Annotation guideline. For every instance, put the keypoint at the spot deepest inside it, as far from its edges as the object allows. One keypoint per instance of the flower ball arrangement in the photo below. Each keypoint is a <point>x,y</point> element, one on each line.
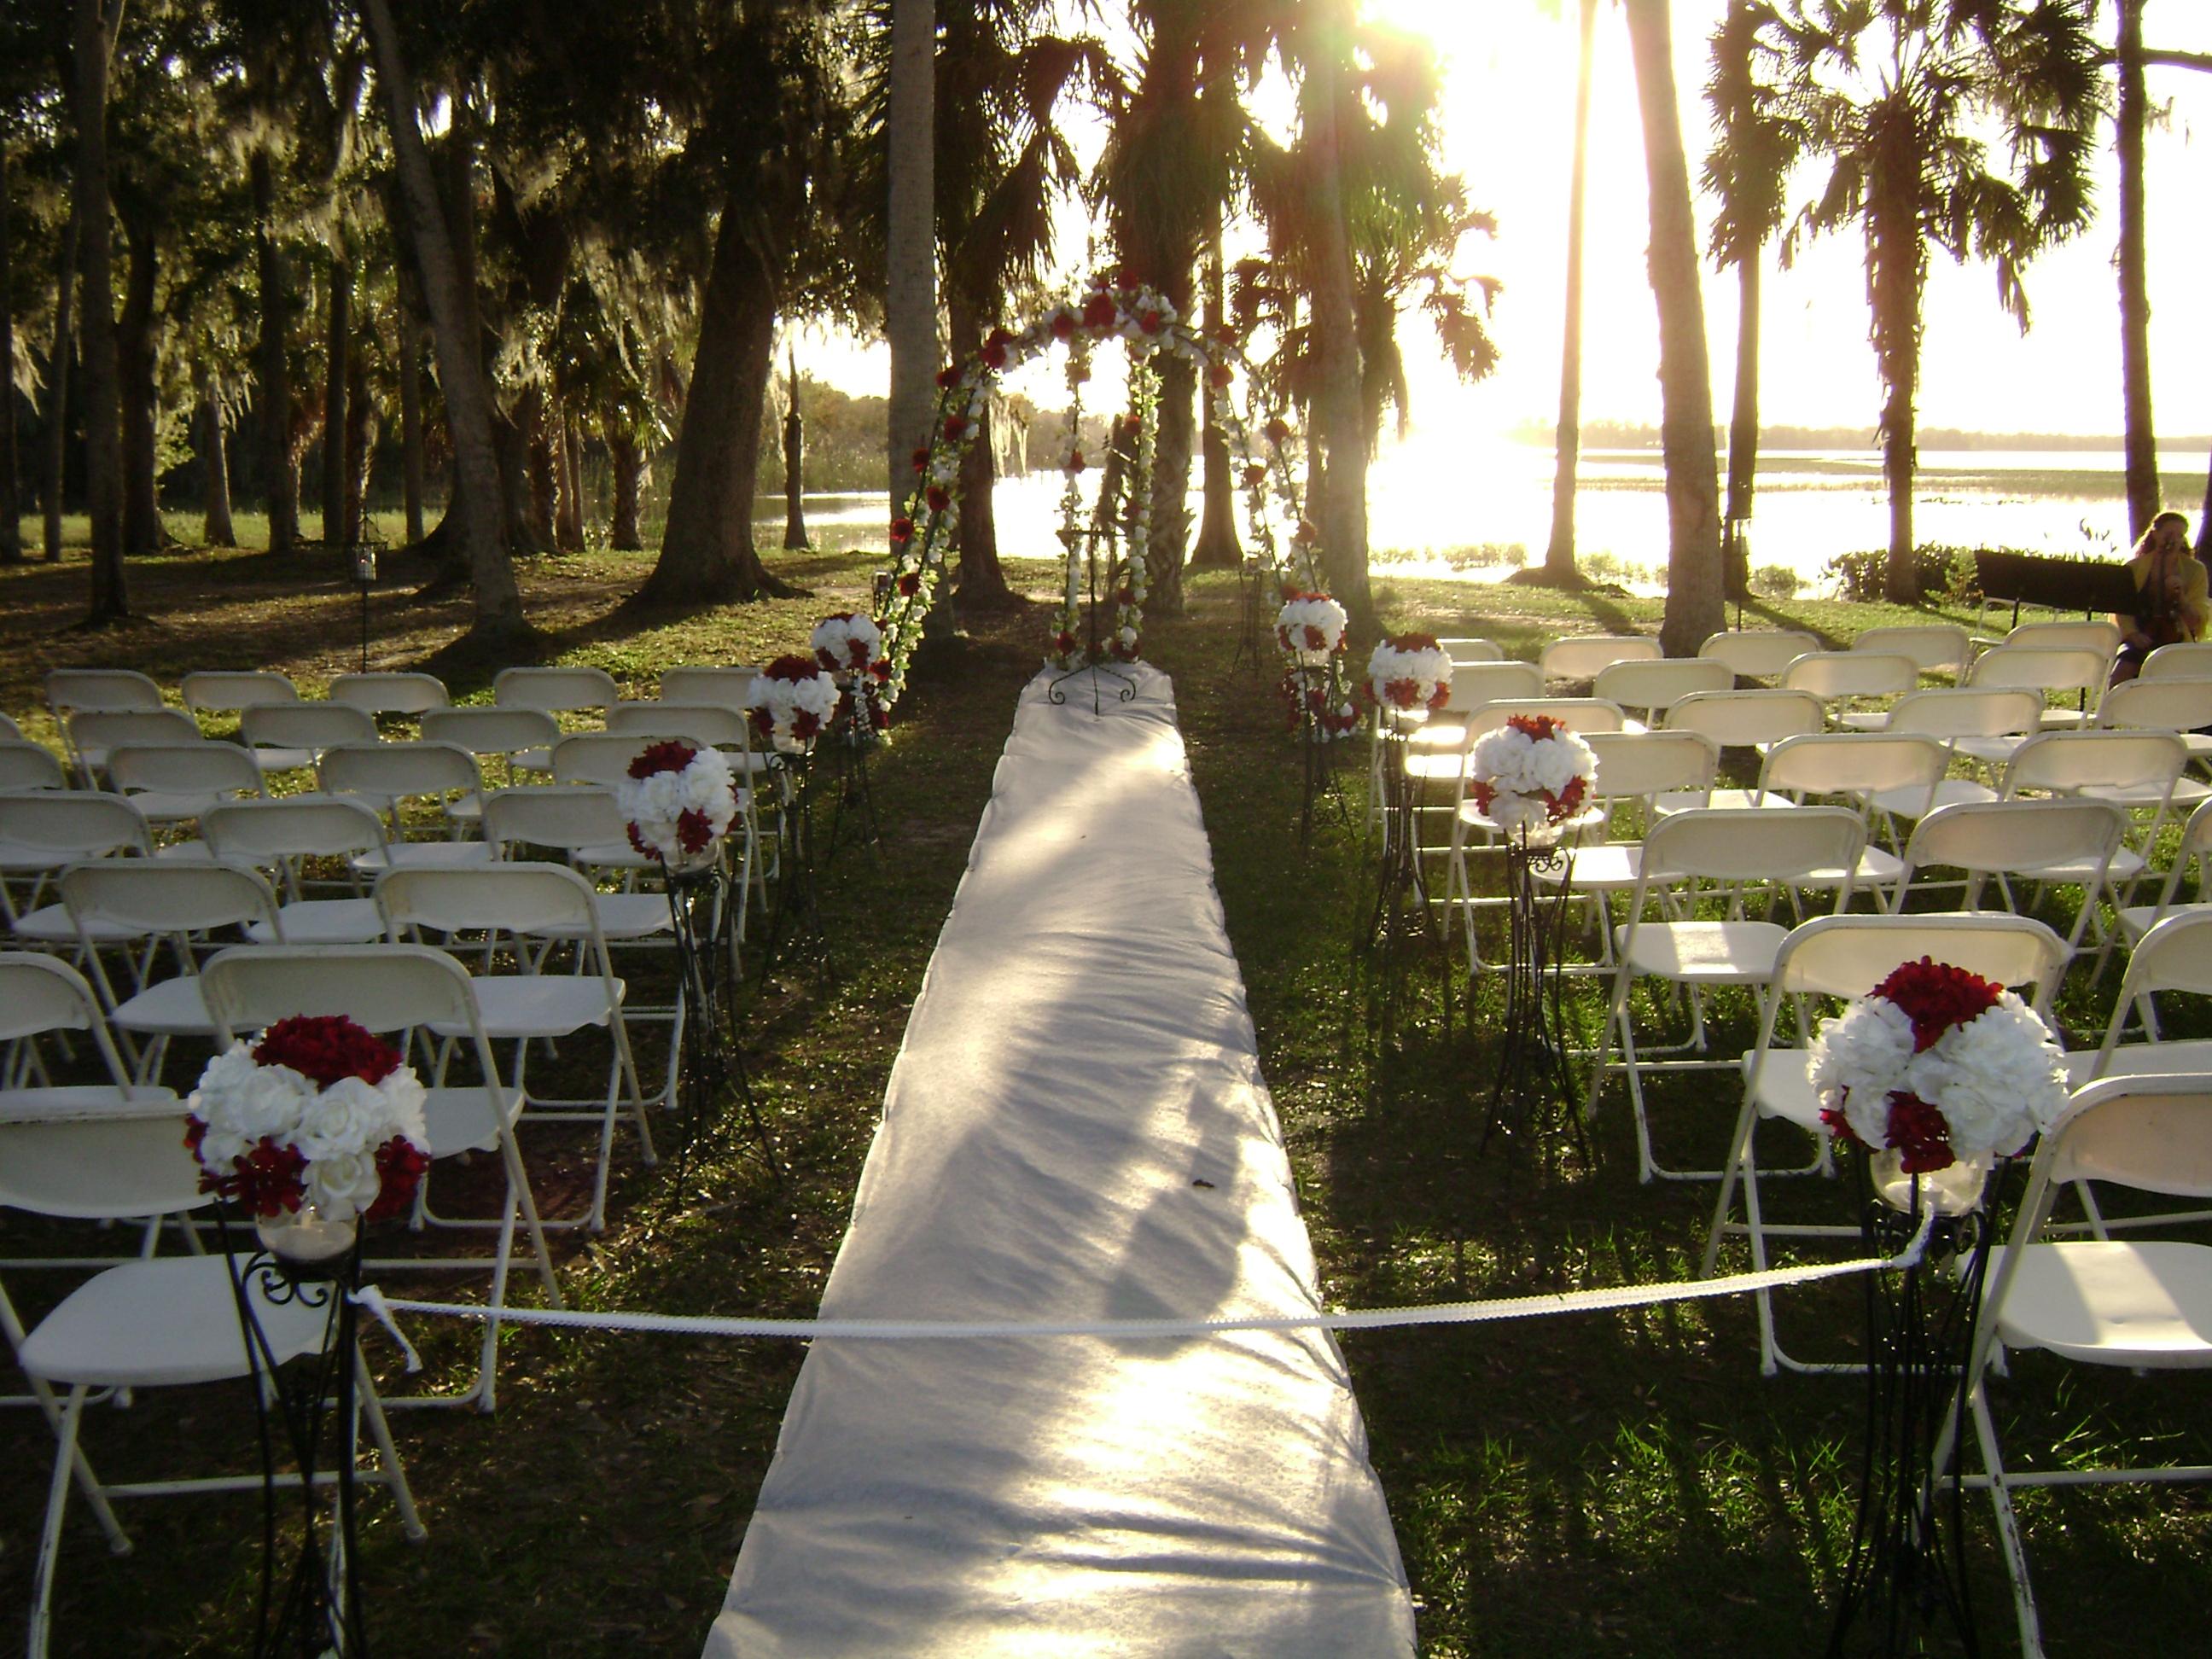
<point>792,702</point>
<point>1311,628</point>
<point>848,643</point>
<point>1531,776</point>
<point>1939,1065</point>
<point>319,1112</point>
<point>1409,673</point>
<point>680,799</point>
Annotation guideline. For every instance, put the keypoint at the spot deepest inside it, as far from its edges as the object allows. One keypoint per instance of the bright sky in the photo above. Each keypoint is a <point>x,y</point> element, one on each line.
<point>1509,109</point>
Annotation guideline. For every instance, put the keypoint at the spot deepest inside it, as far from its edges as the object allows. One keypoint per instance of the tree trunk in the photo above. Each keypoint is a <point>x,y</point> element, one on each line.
<point>411,416</point>
<point>1216,547</point>
<point>11,523</point>
<point>910,296</point>
<point>103,410</point>
<point>542,430</point>
<point>136,349</point>
<point>338,358</point>
<point>2142,440</point>
<point>360,424</point>
<point>707,550</point>
<point>1901,582</point>
<point>982,579</point>
<point>1567,443</point>
<point>57,377</point>
<point>631,470</point>
<point>499,621</point>
<point>1694,606</point>
<point>569,516</point>
<point>1172,454</point>
<point>272,413</point>
<point>1338,418</point>
<point>794,468</point>
<point>1743,428</point>
<point>215,528</point>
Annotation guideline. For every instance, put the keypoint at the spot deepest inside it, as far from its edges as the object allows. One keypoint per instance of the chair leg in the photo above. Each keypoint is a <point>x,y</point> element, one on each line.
<point>2015,1550</point>
<point>50,1539</point>
<point>392,1472</point>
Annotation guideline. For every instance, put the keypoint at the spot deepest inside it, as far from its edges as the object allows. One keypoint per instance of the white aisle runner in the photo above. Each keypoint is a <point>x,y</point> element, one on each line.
<point>1076,1128</point>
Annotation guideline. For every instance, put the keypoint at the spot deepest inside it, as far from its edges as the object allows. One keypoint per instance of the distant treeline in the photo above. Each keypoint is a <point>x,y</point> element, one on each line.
<point>844,438</point>
<point>1625,435</point>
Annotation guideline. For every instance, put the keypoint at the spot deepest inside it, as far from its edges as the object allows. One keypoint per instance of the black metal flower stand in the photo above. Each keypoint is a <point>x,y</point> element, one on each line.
<point>318,1610</point>
<point>1533,1097</point>
<point>795,911</point>
<point>1401,892</point>
<point>1904,1577</point>
<point>851,737</point>
<point>1317,746</point>
<point>709,1060</point>
<point>1098,657</point>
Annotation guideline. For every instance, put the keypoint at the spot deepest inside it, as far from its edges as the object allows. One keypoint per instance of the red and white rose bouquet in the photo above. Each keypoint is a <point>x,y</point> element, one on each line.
<point>849,643</point>
<point>1310,628</point>
<point>1531,776</point>
<point>1409,673</point>
<point>793,701</point>
<point>680,799</point>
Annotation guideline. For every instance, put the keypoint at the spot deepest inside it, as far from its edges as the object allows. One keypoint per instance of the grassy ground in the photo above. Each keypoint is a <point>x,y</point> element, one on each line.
<point>1599,1485</point>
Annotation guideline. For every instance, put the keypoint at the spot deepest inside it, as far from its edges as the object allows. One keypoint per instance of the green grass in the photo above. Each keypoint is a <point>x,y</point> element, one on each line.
<point>1603,1484</point>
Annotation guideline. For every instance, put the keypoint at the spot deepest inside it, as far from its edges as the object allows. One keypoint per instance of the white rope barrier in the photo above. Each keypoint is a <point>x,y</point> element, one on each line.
<point>384,1309</point>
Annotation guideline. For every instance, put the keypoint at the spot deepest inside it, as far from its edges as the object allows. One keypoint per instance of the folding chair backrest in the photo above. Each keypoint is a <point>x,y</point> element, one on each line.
<point>1757,653</point>
<point>9,729</point>
<point>390,693</point>
<point>2151,1132</point>
<point>1846,762</point>
<point>724,687</point>
<point>1935,647</point>
<point>1751,844</point>
<point>2175,955</point>
<point>1633,765</point>
<point>1848,956</point>
<point>1475,683</point>
<point>1467,648</point>
<point>295,826</point>
<point>2016,836</point>
<point>2161,705</point>
<point>2184,659</point>
<point>601,757</point>
<point>40,992</point>
<point>710,724</point>
<point>225,691</point>
<point>2093,636</point>
<point>183,768</point>
<point>85,822</point>
<point>29,766</point>
<point>560,691</point>
<point>398,771</point>
<point>1583,714</point>
<point>2077,760</point>
<point>2039,668</point>
<point>564,815</point>
<point>311,726</point>
<point>1741,719</point>
<point>84,690</point>
<point>491,731</point>
<point>110,729</point>
<point>1830,674</point>
<point>164,895</point>
<point>1966,713</point>
<point>382,988</point>
<point>500,897</point>
<point>1584,656</point>
<point>1660,684</point>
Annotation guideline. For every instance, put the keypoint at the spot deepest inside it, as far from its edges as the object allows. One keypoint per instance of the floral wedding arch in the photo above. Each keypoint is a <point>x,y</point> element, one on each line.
<point>1105,542</point>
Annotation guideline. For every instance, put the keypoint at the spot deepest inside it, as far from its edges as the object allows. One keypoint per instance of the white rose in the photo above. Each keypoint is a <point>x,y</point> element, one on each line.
<point>342,1186</point>
<point>340,1119</point>
<point>1865,1050</point>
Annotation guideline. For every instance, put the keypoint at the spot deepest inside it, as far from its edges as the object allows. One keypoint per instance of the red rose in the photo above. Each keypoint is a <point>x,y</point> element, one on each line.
<point>804,724</point>
<point>1126,277</point>
<point>1414,642</point>
<point>1063,324</point>
<point>1306,532</point>
<point>763,723</point>
<point>1919,1131</point>
<point>1484,793</point>
<point>399,1165</point>
<point>1075,463</point>
<point>909,584</point>
<point>1283,635</point>
<point>1440,696</point>
<point>948,376</point>
<point>694,831</point>
<point>1152,322</point>
<point>994,352</point>
<point>1936,996</point>
<point>792,667</point>
<point>1538,726</point>
<point>955,425</point>
<point>672,756</point>
<point>1403,693</point>
<point>1099,311</point>
<point>1255,476</point>
<point>1840,1126</point>
<point>1315,639</point>
<point>1063,641</point>
<point>1220,374</point>
<point>922,460</point>
<point>324,1048</point>
<point>938,497</point>
<point>880,669</point>
<point>638,843</point>
<point>901,529</point>
<point>1278,430</point>
<point>1569,800</point>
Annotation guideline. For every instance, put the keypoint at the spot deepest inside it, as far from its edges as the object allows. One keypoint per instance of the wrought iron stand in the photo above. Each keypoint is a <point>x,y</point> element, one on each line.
<point>1096,657</point>
<point>851,735</point>
<point>1533,1096</point>
<point>709,1057</point>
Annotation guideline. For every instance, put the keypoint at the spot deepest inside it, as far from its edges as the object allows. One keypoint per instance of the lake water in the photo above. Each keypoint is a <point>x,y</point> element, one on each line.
<point>1429,500</point>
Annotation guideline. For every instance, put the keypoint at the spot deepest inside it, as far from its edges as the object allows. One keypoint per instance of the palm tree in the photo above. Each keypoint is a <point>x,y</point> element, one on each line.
<point>1894,99</point>
<point>1559,553</point>
<point>1694,601</point>
<point>1757,141</point>
<point>910,290</point>
<point>2133,265</point>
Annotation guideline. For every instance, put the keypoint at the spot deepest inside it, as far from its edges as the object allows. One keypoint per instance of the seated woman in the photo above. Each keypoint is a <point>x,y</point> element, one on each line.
<point>2173,606</point>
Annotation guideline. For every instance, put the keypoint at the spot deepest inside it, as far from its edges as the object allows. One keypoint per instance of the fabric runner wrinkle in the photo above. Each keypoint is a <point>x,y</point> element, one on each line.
<point>1076,1128</point>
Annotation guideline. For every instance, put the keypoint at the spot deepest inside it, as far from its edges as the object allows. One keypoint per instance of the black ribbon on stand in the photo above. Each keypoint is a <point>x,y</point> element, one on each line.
<point>1534,1096</point>
<point>709,1060</point>
<point>1905,1574</point>
<point>318,1610</point>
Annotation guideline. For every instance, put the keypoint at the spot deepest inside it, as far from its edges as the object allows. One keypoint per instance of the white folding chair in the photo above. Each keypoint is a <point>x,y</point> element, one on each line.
<point>2174,704</point>
<point>2176,955</point>
<point>512,905</point>
<point>1935,647</point>
<point>1732,848</point>
<point>1853,767</point>
<point>389,776</point>
<point>282,835</point>
<point>42,833</point>
<point>1464,649</point>
<point>39,995</point>
<point>2044,669</point>
<point>1839,679</point>
<point>2184,659</point>
<point>1473,684</point>
<point>1582,714</point>
<point>29,766</point>
<point>2135,1305</point>
<point>291,737</point>
<point>709,723</point>
<point>1984,726</point>
<point>2093,634</point>
<point>390,692</point>
<point>2069,841</point>
<point>1584,656</point>
<point>1757,653</point>
<point>556,692</point>
<point>397,988</point>
<point>233,691</point>
<point>499,734</point>
<point>1653,685</point>
<point>9,729</point>
<point>1840,959</point>
<point>1750,719</point>
<point>92,733</point>
<point>729,685</point>
<point>2194,849</point>
<point>174,783</point>
<point>578,821</point>
<point>96,690</point>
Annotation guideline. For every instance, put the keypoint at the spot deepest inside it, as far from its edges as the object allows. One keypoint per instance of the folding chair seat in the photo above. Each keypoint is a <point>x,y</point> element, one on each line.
<point>1839,958</point>
<point>173,783</point>
<point>1751,719</point>
<point>387,777</point>
<point>93,733</point>
<point>2043,670</point>
<point>1839,679</point>
<point>43,833</point>
<point>1964,721</point>
<point>96,690</point>
<point>2071,841</point>
<point>1757,653</point>
<point>29,766</point>
<point>1732,848</point>
<point>278,835</point>
<point>1653,686</point>
<point>292,736</point>
<point>2176,704</point>
<point>389,988</point>
<point>233,691</point>
<point>2135,1306</point>
<point>390,692</point>
<point>1935,647</point>
<point>1585,656</point>
<point>577,820</point>
<point>2184,659</point>
<point>556,692</point>
<point>1466,648</point>
<point>511,904</point>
